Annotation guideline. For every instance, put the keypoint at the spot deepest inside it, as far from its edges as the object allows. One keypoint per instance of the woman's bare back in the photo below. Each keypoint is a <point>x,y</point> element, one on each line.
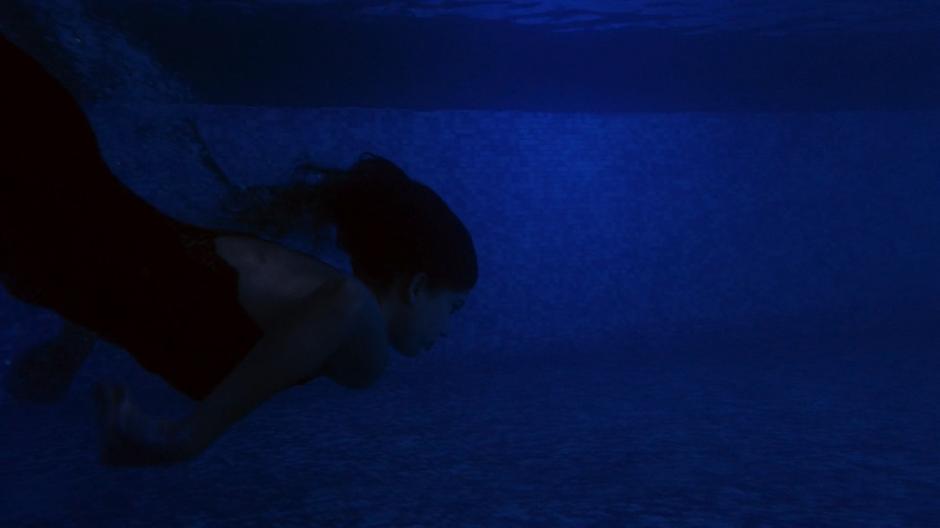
<point>272,278</point>
<point>274,281</point>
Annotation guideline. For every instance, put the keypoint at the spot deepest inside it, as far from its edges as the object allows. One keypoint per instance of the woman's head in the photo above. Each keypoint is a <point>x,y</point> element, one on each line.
<point>391,225</point>
<point>403,241</point>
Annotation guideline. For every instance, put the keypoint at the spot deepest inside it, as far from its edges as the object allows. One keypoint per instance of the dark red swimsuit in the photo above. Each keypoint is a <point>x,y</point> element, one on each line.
<point>74,239</point>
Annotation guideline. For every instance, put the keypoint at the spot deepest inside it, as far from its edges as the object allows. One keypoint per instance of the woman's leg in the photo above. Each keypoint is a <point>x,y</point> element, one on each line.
<point>48,148</point>
<point>44,373</point>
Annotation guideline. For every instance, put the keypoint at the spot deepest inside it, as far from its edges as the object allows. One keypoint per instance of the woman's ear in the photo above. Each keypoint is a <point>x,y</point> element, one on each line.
<point>418,286</point>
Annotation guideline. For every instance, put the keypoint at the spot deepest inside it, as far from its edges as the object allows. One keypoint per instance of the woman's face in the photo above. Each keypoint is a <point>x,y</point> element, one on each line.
<point>423,316</point>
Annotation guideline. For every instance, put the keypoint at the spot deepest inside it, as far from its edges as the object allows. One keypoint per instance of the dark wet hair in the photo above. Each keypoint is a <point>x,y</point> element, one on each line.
<point>389,224</point>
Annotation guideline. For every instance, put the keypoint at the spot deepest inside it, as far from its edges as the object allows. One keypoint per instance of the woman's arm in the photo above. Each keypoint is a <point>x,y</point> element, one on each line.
<point>297,349</point>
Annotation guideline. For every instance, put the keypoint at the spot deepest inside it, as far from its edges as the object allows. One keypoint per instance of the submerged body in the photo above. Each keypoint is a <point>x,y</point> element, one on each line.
<point>187,302</point>
<point>226,318</point>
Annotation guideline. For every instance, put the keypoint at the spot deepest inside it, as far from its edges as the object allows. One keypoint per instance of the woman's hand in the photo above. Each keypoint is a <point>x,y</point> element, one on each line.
<point>130,438</point>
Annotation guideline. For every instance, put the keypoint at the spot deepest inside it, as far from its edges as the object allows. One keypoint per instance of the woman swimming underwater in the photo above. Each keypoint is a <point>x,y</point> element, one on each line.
<point>227,318</point>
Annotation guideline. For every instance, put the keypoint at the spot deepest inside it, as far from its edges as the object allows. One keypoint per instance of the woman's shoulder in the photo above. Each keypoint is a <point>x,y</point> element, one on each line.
<point>363,357</point>
<point>277,279</point>
<point>272,278</point>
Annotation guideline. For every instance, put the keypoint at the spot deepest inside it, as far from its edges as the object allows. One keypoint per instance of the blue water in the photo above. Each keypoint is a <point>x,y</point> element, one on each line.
<point>707,243</point>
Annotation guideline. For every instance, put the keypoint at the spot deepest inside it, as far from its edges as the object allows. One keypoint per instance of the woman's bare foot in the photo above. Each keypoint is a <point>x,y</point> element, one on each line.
<point>44,373</point>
